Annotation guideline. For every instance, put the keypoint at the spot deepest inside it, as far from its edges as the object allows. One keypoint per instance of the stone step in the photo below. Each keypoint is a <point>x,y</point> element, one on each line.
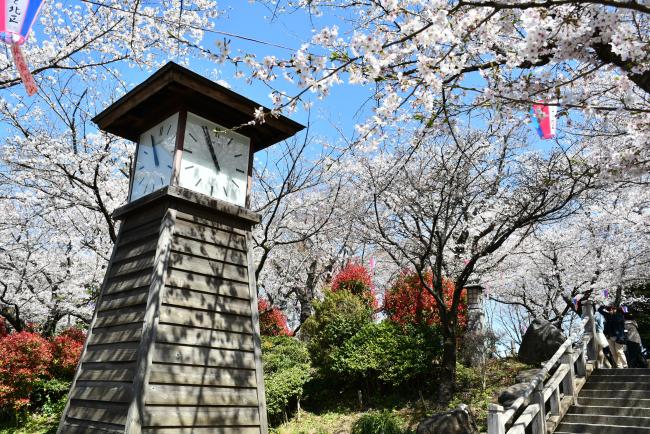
<point>596,419</point>
<point>614,411</point>
<point>642,379</point>
<point>616,393</point>
<point>613,402</point>
<point>581,428</point>
<point>617,385</point>
<point>621,371</point>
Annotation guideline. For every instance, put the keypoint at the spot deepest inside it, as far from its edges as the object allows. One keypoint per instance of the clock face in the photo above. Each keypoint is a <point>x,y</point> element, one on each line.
<point>154,162</point>
<point>215,162</point>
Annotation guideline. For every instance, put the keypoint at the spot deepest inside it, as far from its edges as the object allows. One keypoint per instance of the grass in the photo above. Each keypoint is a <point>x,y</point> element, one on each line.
<point>36,423</point>
<point>44,422</point>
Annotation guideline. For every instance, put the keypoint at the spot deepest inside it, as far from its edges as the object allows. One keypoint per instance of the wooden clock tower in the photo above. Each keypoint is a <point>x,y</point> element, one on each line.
<point>174,346</point>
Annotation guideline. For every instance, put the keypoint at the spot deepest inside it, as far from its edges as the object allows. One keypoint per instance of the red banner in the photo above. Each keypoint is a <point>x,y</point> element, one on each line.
<point>23,70</point>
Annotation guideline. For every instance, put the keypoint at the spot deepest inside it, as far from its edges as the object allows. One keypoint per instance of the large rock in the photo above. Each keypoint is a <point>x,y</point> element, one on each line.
<point>457,421</point>
<point>527,375</point>
<point>508,395</point>
<point>541,341</point>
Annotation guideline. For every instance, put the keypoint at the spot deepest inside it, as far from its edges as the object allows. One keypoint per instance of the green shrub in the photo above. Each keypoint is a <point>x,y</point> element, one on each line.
<point>393,354</point>
<point>50,395</point>
<point>336,319</point>
<point>287,368</point>
<point>380,422</point>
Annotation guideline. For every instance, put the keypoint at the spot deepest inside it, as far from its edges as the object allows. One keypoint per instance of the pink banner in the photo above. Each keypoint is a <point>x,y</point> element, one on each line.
<point>544,120</point>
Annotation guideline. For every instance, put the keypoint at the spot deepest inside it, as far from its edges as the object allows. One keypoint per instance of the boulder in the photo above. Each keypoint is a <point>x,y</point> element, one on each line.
<point>457,421</point>
<point>540,342</point>
<point>508,395</point>
<point>527,375</point>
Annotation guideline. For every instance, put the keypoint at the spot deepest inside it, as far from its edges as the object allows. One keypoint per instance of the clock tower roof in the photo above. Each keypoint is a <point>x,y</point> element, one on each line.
<point>173,88</point>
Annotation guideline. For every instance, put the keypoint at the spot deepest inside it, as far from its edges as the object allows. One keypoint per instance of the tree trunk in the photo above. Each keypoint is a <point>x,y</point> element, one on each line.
<point>305,295</point>
<point>447,379</point>
<point>48,328</point>
<point>13,319</point>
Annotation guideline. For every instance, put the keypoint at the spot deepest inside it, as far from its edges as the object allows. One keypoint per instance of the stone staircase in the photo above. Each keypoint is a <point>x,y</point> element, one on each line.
<point>612,401</point>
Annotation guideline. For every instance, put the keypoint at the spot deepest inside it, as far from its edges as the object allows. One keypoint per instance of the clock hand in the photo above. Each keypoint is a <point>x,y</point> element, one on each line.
<point>155,153</point>
<point>208,140</point>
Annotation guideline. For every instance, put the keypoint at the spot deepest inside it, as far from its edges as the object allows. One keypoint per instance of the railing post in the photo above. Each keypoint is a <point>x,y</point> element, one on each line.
<point>569,381</point>
<point>588,311</point>
<point>581,364</point>
<point>495,422</point>
<point>539,422</point>
<point>554,400</point>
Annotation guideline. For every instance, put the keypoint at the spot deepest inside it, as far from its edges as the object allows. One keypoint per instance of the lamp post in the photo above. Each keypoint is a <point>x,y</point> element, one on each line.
<point>475,345</point>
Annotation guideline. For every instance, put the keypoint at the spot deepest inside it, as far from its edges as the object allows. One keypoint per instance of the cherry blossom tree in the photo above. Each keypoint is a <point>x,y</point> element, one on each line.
<point>420,57</point>
<point>597,253</point>
<point>446,204</point>
<point>47,270</point>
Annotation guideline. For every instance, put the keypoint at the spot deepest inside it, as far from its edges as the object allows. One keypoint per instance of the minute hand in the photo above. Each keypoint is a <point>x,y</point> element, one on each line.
<point>208,140</point>
<point>155,153</point>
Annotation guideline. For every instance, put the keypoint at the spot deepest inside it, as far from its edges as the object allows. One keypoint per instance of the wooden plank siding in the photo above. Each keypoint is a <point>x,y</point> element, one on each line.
<point>188,298</point>
<point>201,375</point>
<point>208,417</point>
<point>98,412</point>
<point>76,426</point>
<point>172,347</point>
<point>207,284</point>
<point>102,389</point>
<point>137,296</point>
<point>209,430</point>
<point>203,371</point>
<point>191,336</point>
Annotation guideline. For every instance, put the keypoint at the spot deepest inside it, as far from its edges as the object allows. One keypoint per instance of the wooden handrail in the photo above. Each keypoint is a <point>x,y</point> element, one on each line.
<point>539,393</point>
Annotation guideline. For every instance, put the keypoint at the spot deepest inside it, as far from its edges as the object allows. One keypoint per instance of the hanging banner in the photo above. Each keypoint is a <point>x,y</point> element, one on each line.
<point>544,120</point>
<point>16,20</point>
<point>23,70</point>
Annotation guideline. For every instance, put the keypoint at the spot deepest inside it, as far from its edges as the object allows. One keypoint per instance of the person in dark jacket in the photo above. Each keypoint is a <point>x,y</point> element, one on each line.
<point>615,333</point>
<point>635,358</point>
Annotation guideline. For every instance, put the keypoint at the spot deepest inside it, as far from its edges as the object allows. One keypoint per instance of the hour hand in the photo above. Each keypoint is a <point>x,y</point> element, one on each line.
<point>213,154</point>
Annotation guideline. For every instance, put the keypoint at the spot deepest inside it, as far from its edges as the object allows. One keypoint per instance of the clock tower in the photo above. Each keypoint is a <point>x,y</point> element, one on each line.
<point>174,345</point>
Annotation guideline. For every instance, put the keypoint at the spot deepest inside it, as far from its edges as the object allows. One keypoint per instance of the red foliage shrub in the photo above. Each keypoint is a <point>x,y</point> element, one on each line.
<point>407,301</point>
<point>356,279</point>
<point>66,351</point>
<point>273,322</point>
<point>25,359</point>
